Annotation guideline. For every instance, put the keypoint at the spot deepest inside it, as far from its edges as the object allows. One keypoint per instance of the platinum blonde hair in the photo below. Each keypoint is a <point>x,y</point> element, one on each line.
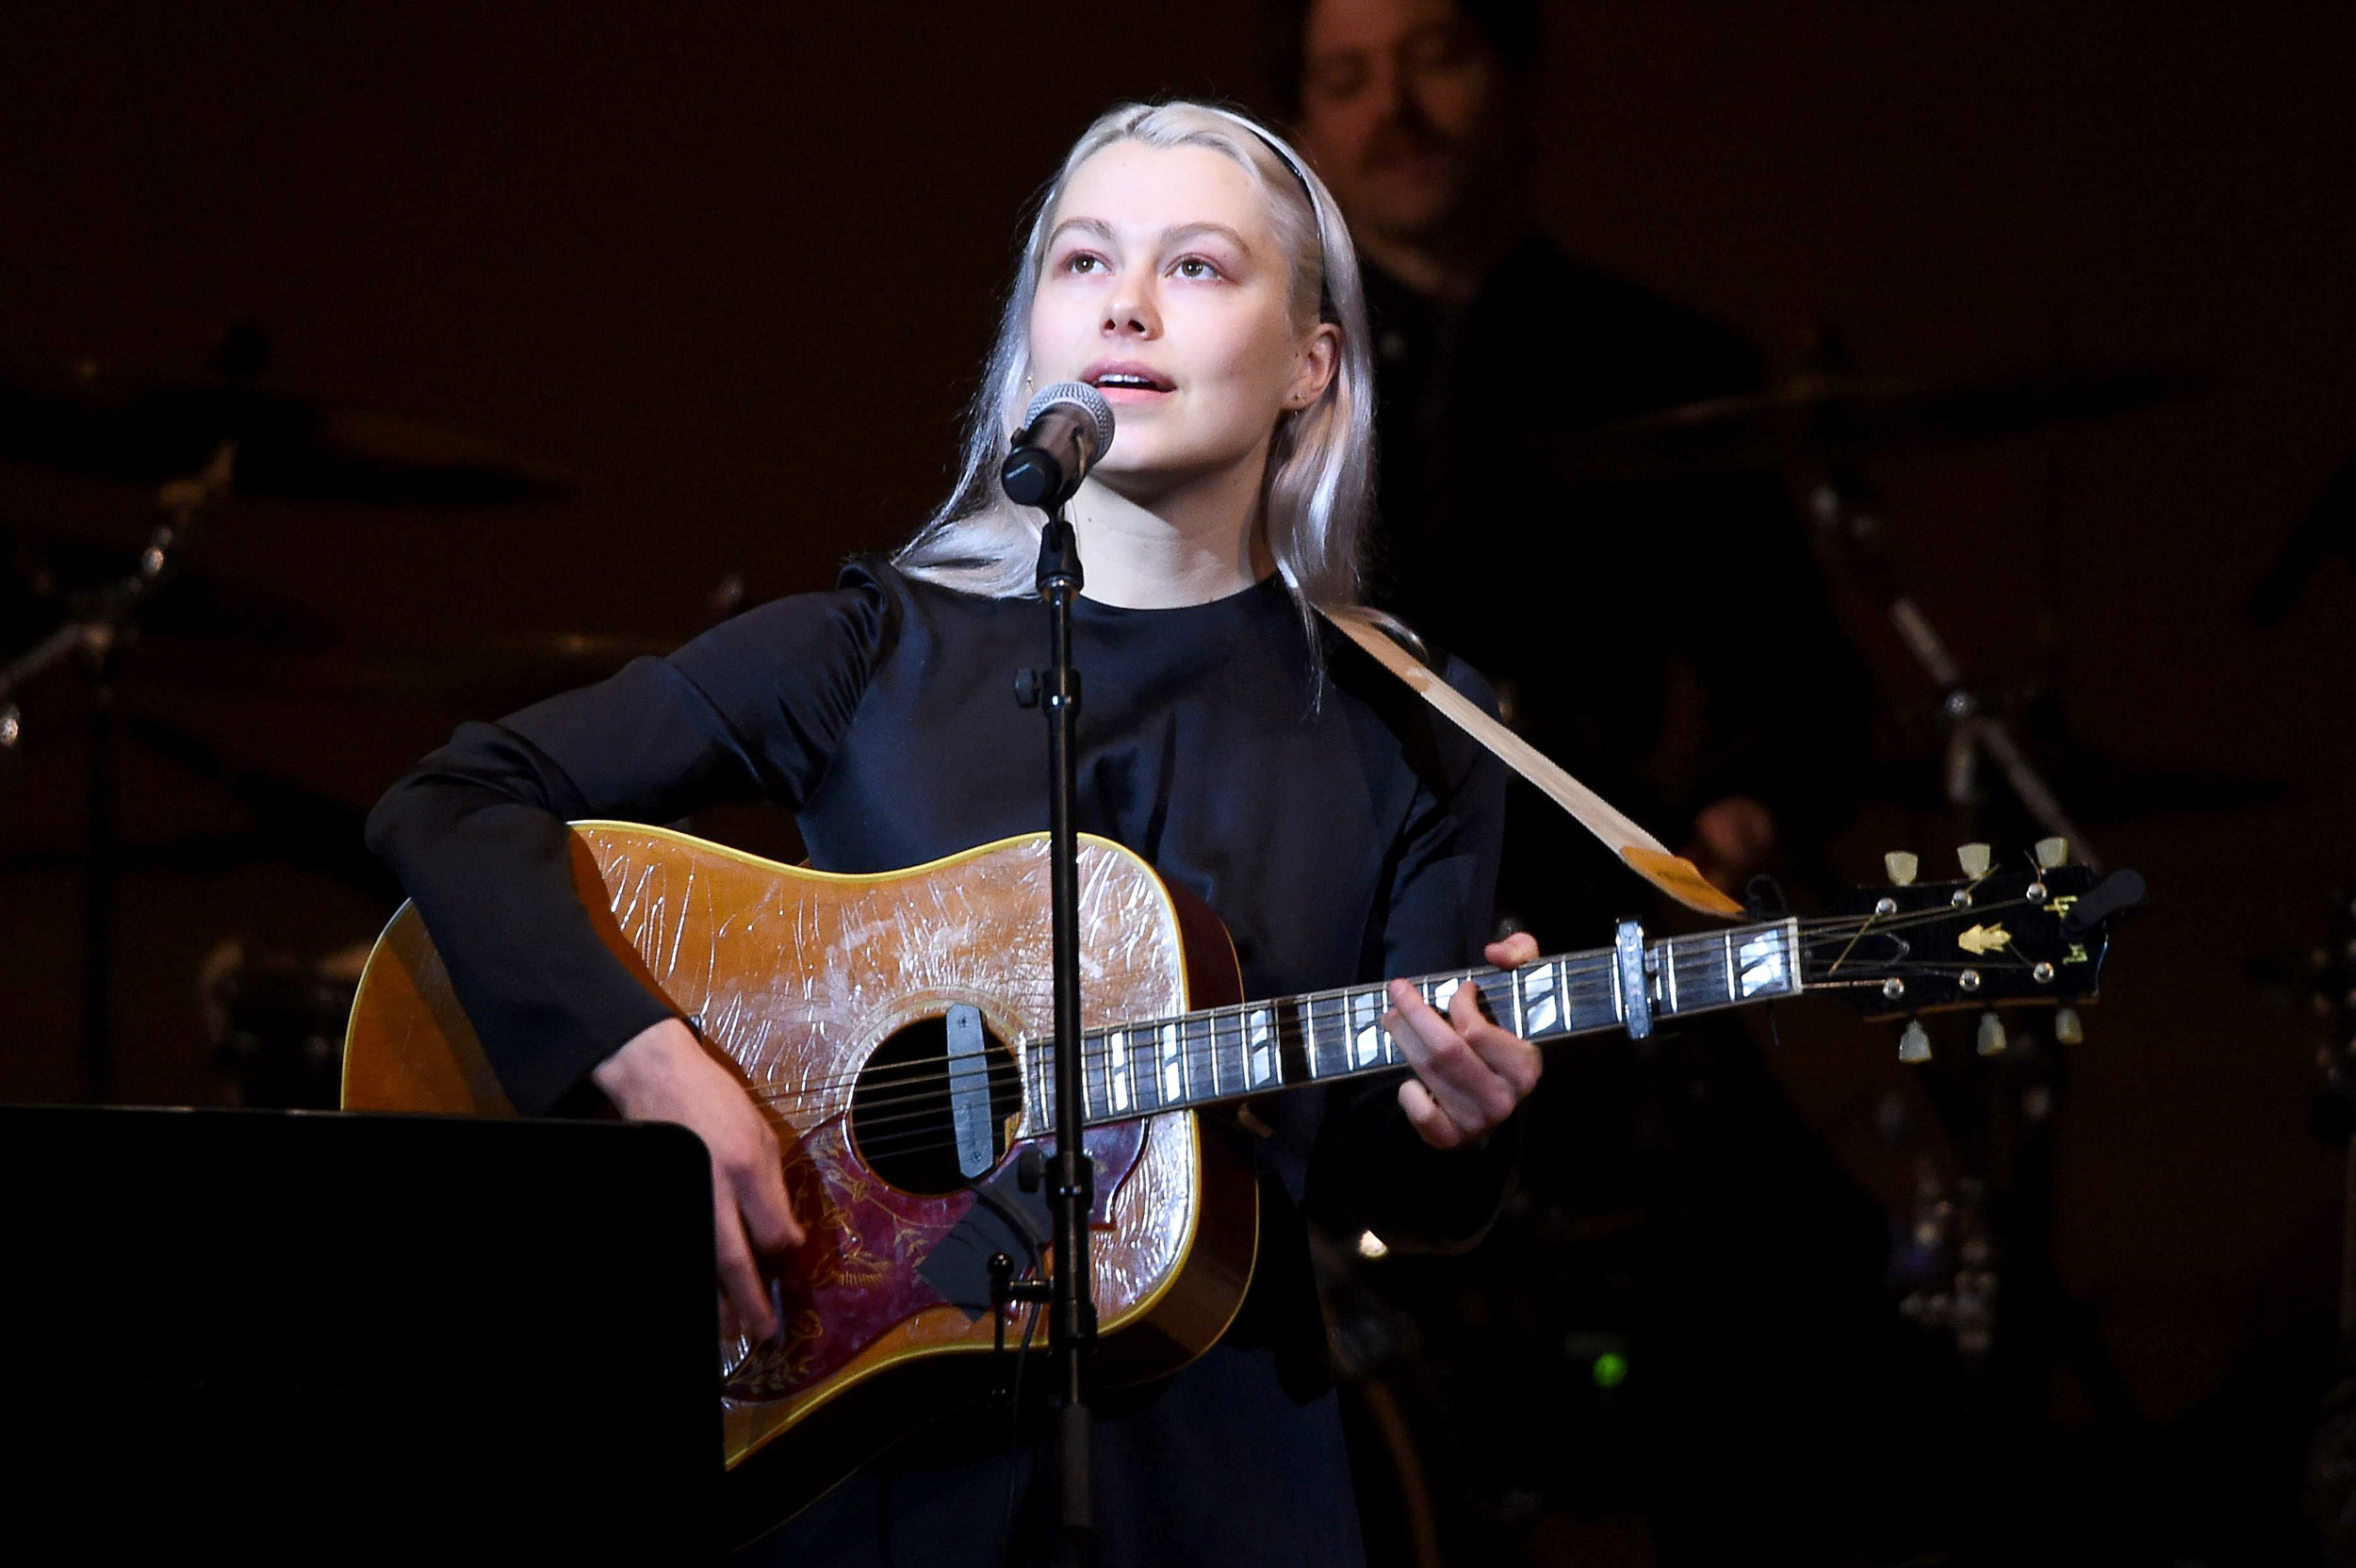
<point>1318,491</point>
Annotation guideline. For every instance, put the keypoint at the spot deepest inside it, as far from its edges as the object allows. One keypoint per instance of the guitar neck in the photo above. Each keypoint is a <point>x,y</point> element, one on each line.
<point>1195,1059</point>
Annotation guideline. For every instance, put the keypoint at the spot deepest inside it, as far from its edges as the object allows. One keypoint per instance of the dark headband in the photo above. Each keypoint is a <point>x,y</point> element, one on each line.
<point>1326,308</point>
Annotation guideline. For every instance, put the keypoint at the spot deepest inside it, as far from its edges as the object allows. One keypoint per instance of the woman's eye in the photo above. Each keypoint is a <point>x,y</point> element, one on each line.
<point>1196,268</point>
<point>1084,263</point>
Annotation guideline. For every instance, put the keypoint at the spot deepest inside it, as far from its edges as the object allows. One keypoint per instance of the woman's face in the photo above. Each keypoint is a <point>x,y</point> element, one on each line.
<point>1166,289</point>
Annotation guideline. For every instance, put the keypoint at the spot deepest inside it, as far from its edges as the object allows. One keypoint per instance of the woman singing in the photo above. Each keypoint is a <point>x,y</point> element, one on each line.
<point>1187,264</point>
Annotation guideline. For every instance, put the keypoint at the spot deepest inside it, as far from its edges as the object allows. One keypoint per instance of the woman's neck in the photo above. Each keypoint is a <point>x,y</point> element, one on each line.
<point>1197,541</point>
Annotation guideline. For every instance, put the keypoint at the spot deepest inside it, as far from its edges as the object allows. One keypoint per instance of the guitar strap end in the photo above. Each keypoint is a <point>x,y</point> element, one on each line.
<point>1639,850</point>
<point>1681,880</point>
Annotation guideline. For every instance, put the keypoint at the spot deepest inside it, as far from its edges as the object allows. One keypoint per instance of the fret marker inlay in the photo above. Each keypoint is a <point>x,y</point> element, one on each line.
<point>1538,1003</point>
<point>1364,1010</point>
<point>1174,1065</point>
<point>1263,1058</point>
<point>1762,962</point>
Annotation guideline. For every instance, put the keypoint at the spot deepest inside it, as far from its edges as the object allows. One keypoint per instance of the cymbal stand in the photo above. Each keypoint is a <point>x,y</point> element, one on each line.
<point>2018,1322</point>
<point>1840,513</point>
<point>103,621</point>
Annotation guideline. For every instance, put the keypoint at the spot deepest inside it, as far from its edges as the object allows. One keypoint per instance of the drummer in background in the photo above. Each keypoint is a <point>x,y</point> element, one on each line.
<point>1671,644</point>
<point>1668,643</point>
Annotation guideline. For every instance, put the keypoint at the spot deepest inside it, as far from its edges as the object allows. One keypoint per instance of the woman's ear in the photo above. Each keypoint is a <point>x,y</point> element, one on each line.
<point>1314,372</point>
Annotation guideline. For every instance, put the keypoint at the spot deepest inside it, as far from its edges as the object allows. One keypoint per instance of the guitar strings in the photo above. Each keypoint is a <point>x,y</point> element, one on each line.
<point>925,1136</point>
<point>1591,978</point>
<point>922,1091</point>
<point>923,1084</point>
<point>1225,1026</point>
<point>1291,1032</point>
<point>933,1094</point>
<point>892,1134</point>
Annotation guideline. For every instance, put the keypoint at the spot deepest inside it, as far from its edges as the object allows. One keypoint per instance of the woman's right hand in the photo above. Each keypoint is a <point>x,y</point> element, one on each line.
<point>665,1074</point>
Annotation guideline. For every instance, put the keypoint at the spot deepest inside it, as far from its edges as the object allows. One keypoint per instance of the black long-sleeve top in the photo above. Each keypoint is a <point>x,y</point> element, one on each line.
<point>1342,830</point>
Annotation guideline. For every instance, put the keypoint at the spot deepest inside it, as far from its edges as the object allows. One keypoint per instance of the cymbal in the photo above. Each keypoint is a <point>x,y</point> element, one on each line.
<point>148,429</point>
<point>1843,415</point>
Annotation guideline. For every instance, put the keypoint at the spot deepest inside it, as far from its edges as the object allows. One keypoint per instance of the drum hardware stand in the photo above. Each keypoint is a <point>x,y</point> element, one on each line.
<point>104,621</point>
<point>2005,1305</point>
<point>1843,514</point>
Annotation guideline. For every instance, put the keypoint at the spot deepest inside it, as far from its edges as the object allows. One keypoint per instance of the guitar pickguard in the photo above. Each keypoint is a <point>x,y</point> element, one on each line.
<point>862,1275</point>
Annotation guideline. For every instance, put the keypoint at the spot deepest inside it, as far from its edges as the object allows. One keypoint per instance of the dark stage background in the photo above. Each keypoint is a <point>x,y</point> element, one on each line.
<point>699,256</point>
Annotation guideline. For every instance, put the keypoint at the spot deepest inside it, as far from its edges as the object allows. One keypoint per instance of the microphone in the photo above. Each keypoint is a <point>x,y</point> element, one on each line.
<point>1065,431</point>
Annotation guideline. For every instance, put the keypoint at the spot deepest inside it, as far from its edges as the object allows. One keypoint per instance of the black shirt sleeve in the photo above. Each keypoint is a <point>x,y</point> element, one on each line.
<point>1372,1170</point>
<point>476,832</point>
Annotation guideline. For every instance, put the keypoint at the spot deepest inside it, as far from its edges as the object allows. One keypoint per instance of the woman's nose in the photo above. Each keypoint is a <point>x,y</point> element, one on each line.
<point>1130,313</point>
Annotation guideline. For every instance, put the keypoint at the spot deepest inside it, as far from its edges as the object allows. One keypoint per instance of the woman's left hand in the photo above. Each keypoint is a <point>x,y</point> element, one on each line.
<point>1469,1073</point>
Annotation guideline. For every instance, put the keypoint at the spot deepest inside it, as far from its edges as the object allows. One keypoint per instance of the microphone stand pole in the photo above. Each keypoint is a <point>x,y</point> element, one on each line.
<point>1071,1312</point>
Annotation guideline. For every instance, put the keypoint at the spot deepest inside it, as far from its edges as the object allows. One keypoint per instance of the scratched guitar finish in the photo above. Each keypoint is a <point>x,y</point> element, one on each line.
<point>798,976</point>
<point>840,999</point>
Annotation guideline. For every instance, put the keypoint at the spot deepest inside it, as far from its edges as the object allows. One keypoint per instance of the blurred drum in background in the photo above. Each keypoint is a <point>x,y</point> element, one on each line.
<point>275,1022</point>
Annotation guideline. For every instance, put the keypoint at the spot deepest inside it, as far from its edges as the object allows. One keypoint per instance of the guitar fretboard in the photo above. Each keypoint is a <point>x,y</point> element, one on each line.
<point>1136,1070</point>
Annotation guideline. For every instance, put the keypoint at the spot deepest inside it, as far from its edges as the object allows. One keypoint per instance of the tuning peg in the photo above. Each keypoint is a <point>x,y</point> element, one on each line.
<point>1975,858</point>
<point>1915,1044</point>
<point>2068,1028</point>
<point>1991,1040</point>
<point>1901,867</point>
<point>2052,853</point>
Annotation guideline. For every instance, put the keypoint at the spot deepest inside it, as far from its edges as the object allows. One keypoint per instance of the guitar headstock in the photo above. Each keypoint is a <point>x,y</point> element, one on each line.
<point>2030,934</point>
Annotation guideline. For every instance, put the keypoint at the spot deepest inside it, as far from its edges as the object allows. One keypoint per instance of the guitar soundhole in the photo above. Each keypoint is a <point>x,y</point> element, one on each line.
<point>901,1121</point>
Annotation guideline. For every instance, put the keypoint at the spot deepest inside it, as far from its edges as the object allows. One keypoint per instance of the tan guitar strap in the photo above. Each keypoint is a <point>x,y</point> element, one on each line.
<point>1644,855</point>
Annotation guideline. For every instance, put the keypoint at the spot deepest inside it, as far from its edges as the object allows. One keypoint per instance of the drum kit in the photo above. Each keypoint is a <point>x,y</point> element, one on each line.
<point>72,611</point>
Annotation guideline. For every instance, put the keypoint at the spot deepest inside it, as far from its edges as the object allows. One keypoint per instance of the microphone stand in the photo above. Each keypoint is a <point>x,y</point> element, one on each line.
<point>1071,1312</point>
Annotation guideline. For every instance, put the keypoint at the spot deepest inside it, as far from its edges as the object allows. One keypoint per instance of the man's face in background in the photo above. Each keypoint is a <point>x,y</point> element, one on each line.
<point>1402,110</point>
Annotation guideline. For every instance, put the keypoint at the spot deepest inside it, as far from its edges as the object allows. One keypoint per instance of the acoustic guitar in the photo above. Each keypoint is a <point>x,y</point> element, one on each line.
<point>898,1028</point>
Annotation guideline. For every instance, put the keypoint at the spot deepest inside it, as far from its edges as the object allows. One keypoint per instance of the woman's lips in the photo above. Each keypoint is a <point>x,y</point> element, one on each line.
<point>1128,381</point>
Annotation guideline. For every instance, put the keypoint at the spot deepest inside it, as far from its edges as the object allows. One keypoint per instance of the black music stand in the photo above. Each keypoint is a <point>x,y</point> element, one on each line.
<point>357,1336</point>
